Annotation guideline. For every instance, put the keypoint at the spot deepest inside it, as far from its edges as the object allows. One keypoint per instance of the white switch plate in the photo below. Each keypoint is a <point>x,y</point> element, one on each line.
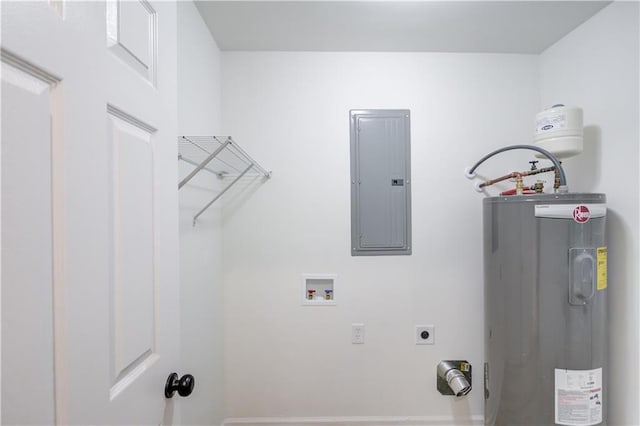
<point>430,338</point>
<point>357,334</point>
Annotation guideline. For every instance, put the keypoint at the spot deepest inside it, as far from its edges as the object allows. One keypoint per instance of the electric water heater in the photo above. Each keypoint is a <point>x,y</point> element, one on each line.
<point>545,260</point>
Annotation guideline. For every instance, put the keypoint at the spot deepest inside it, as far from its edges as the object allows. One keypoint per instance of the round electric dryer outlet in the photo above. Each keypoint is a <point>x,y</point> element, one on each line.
<point>425,335</point>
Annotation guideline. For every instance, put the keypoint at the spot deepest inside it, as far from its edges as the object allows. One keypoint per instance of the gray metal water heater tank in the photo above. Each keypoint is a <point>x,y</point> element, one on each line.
<point>545,274</point>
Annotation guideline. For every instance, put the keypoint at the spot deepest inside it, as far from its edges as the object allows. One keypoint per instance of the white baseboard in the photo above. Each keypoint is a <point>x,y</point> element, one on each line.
<point>355,421</point>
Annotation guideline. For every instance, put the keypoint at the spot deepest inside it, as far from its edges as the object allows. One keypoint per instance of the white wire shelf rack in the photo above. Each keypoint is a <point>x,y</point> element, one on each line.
<point>221,156</point>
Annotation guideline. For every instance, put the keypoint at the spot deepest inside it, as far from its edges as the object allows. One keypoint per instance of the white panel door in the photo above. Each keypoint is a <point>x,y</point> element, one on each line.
<point>89,212</point>
<point>27,292</point>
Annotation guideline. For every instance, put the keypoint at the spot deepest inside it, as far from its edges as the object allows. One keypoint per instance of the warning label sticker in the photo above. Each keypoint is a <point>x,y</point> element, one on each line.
<point>578,399</point>
<point>602,268</point>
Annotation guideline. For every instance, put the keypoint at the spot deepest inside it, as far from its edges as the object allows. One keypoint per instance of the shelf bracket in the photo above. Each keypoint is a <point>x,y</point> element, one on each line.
<point>221,193</point>
<point>226,160</point>
<point>204,163</point>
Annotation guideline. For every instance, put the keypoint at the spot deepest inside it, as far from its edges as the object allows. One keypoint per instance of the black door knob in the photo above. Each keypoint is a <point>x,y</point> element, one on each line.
<point>184,385</point>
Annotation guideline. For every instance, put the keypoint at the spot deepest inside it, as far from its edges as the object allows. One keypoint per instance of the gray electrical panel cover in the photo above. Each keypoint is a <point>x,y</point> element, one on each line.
<point>380,182</point>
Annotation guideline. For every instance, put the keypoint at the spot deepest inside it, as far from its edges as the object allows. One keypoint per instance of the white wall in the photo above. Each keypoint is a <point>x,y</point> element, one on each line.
<point>596,67</point>
<point>291,112</point>
<point>200,246</point>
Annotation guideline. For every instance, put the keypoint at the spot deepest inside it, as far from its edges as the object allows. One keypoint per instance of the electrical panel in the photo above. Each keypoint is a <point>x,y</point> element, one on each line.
<point>380,182</point>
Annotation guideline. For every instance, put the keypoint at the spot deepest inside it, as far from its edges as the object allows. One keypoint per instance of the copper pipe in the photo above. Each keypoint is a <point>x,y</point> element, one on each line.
<point>500,179</point>
<point>519,174</point>
<point>554,160</point>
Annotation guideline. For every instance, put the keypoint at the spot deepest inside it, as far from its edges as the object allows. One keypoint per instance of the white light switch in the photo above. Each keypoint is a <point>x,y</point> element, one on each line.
<point>357,334</point>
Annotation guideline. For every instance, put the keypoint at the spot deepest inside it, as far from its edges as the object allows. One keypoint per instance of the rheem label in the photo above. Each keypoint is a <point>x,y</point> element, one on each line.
<point>581,214</point>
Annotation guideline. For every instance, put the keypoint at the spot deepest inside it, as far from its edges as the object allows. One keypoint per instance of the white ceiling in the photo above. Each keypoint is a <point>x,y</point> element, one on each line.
<point>402,26</point>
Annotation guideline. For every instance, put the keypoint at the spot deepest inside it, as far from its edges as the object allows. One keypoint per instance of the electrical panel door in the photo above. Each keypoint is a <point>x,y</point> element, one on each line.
<point>380,182</point>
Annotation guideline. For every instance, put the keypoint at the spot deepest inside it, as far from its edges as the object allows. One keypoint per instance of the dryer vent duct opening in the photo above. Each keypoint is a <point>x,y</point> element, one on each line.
<point>454,378</point>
